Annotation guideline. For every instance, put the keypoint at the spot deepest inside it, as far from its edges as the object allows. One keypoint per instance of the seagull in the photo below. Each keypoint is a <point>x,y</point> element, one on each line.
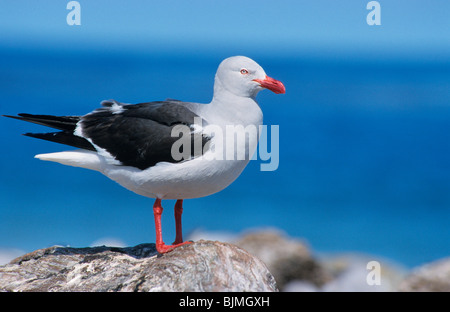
<point>135,146</point>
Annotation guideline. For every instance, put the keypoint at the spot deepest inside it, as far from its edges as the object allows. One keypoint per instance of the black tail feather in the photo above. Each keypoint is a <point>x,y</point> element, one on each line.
<point>63,137</point>
<point>66,123</point>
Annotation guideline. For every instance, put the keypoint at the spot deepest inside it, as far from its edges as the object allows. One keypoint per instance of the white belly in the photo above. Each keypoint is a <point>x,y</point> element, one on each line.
<point>191,179</point>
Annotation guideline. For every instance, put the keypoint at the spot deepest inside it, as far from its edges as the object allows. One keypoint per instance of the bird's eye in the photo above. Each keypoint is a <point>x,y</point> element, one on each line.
<point>244,71</point>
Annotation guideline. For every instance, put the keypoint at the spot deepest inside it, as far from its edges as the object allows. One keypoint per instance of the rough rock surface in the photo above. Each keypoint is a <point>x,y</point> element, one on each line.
<point>433,277</point>
<point>350,273</point>
<point>200,266</point>
<point>286,258</point>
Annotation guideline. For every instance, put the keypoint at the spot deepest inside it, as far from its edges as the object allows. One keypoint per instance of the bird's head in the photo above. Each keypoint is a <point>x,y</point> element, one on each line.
<point>242,76</point>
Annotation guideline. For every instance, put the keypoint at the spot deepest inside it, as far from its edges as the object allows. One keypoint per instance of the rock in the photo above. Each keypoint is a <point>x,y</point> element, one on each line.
<point>300,286</point>
<point>8,254</point>
<point>286,258</point>
<point>350,273</point>
<point>432,277</point>
<point>200,266</point>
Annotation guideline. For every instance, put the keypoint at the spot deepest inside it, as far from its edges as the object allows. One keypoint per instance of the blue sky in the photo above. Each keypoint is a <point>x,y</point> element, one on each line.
<point>407,27</point>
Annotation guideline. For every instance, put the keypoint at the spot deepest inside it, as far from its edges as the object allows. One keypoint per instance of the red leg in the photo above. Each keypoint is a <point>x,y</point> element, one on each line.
<point>160,246</point>
<point>178,212</point>
<point>157,212</point>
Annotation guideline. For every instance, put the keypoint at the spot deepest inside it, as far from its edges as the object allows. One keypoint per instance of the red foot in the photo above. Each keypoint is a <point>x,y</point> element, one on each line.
<point>157,211</point>
<point>163,248</point>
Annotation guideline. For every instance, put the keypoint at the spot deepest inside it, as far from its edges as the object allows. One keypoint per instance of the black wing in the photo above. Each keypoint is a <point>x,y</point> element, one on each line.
<point>136,135</point>
<point>139,135</point>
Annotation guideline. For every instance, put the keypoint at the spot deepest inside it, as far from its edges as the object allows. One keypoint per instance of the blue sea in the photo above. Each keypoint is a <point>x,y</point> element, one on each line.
<point>364,153</point>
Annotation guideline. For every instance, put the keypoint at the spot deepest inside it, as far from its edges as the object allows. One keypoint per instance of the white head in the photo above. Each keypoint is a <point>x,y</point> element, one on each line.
<point>242,76</point>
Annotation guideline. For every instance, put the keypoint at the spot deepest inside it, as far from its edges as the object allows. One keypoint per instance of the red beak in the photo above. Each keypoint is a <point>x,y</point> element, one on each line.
<point>271,84</point>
